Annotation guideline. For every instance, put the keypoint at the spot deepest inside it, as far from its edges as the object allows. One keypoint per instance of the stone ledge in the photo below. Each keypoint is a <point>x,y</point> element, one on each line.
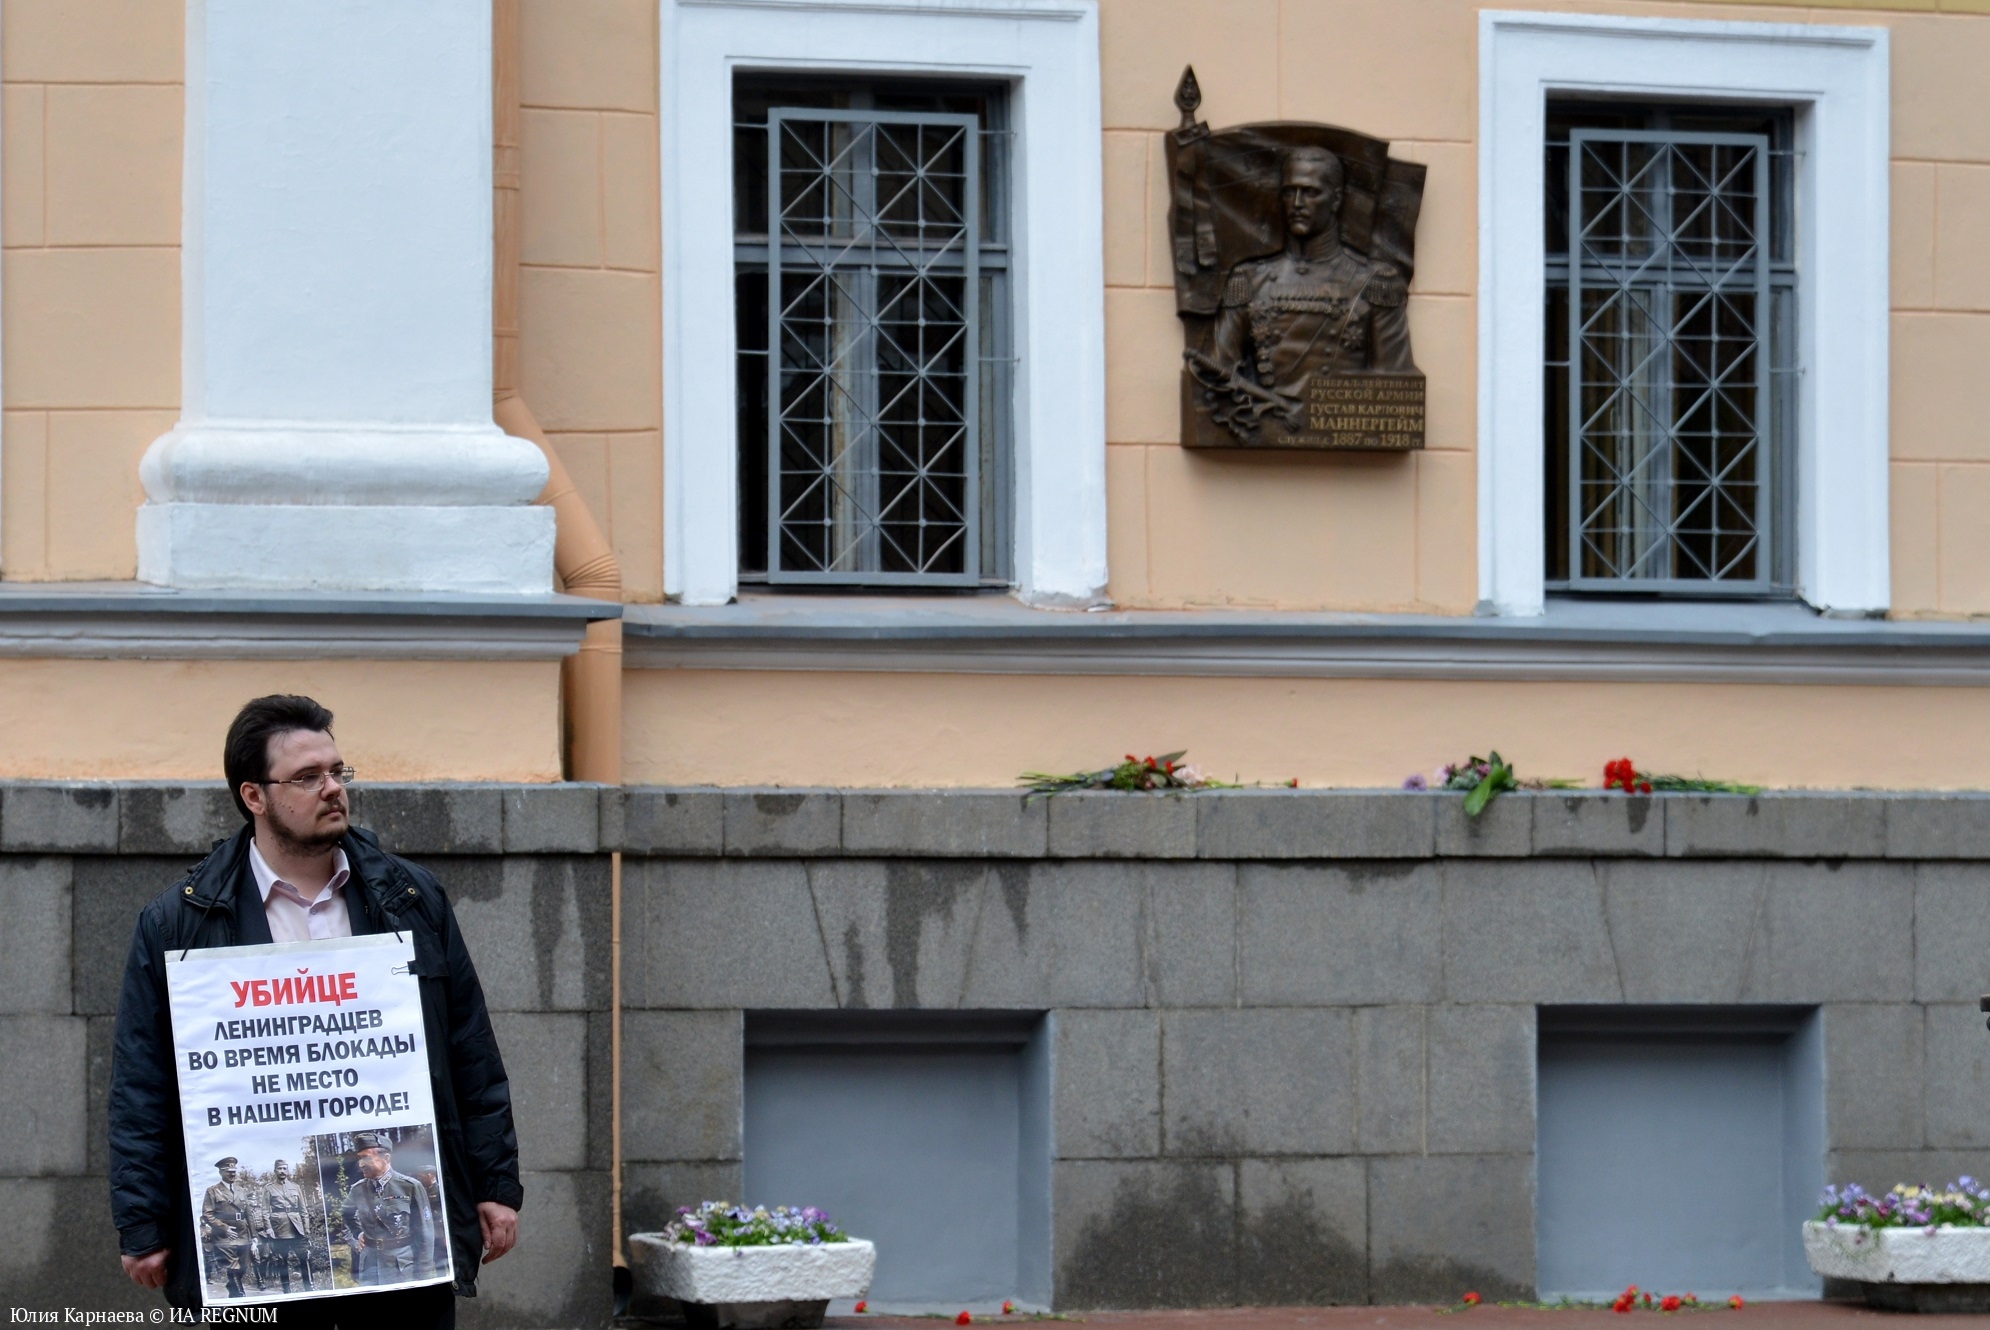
<point>186,817</point>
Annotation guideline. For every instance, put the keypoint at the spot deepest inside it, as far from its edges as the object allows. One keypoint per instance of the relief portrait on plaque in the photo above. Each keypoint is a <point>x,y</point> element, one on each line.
<point>1294,245</point>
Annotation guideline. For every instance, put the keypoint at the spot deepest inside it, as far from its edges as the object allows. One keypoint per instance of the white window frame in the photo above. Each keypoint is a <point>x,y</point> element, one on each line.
<point>1048,52</point>
<point>1836,79</point>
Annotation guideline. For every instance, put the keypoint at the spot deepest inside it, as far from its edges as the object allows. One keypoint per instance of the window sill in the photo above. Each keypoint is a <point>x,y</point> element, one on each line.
<point>1574,640</point>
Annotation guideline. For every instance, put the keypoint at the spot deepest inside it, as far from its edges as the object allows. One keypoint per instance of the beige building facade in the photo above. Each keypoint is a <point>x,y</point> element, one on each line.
<point>1282,616</point>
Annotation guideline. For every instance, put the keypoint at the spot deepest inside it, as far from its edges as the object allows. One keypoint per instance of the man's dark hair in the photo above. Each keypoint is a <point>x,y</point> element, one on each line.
<point>245,756</point>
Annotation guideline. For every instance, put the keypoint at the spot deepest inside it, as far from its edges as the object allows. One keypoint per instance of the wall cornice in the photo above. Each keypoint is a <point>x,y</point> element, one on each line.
<point>1767,644</point>
<point>131,621</point>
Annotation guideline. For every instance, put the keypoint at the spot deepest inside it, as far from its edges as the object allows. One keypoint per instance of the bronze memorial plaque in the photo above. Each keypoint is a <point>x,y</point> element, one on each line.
<point>1294,245</point>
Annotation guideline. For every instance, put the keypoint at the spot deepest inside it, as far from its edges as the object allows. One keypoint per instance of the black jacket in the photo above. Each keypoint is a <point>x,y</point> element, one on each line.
<point>217,905</point>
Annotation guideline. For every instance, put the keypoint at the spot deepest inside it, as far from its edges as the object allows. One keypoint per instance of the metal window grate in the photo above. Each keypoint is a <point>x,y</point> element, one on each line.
<point>1669,382</point>
<point>873,444</point>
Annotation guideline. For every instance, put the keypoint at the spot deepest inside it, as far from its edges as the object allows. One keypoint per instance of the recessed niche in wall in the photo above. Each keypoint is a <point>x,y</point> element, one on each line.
<point>1678,1149</point>
<point>928,1133</point>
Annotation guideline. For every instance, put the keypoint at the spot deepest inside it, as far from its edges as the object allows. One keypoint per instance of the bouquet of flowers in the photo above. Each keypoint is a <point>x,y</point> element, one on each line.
<point>1166,772</point>
<point>1622,775</point>
<point>723,1224</point>
<point>1482,778</point>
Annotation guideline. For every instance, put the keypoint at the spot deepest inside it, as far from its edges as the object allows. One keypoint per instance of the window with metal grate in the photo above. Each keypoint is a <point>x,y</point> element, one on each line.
<point>872,301</point>
<point>1671,349</point>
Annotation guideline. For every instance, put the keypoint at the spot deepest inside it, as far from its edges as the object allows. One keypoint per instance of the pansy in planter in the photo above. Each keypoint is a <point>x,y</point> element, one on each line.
<point>723,1224</point>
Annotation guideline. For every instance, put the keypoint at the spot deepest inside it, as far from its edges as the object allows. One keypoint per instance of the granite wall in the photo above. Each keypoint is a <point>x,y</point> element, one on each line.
<point>1294,1033</point>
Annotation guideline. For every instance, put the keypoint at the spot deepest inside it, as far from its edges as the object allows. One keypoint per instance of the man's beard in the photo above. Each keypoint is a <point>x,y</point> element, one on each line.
<point>295,841</point>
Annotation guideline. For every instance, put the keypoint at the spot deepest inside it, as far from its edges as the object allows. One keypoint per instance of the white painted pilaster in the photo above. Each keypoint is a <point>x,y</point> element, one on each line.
<point>335,427</point>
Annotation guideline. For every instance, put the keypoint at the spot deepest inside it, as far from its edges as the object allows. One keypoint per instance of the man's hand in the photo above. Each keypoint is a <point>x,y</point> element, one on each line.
<point>500,1225</point>
<point>149,1270</point>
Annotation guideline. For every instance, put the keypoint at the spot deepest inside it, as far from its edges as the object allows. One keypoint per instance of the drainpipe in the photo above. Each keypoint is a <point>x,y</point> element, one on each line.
<point>591,680</point>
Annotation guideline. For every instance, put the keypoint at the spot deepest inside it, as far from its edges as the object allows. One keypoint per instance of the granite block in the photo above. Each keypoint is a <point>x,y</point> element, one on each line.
<point>899,932</point>
<point>1260,1080</point>
<point>1443,1224</point>
<point>1119,825</point>
<point>783,822</point>
<point>44,1096</point>
<point>432,819</point>
<point>1328,934</point>
<point>38,905</point>
<point>1873,1076</point>
<point>1481,1079</point>
<point>663,822</point>
<point>1782,825</point>
<point>945,823</point>
<point>1598,824</point>
<point>1302,1232</point>
<point>1392,1064</point>
<point>56,817</point>
<point>1682,931</point>
<point>1107,1084</point>
<point>552,819</point>
<point>175,819</point>
<point>1290,824</point>
<point>684,1087</point>
<point>1144,1234</point>
<point>1526,931</point>
<point>730,934</point>
<point>545,1054</point>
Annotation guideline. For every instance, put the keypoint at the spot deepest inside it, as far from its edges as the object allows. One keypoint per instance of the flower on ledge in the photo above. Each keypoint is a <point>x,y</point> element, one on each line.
<point>1470,1299</point>
<point>1166,772</point>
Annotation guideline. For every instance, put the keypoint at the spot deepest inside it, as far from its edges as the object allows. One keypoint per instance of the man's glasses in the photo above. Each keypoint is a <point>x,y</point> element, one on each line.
<point>312,780</point>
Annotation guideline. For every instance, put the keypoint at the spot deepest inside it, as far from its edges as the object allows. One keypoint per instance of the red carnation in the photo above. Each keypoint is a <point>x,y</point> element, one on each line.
<point>963,1319</point>
<point>1670,1303</point>
<point>862,1306</point>
<point>1470,1299</point>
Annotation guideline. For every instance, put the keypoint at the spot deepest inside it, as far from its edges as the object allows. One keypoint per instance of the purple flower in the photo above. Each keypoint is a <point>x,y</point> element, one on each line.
<point>1416,782</point>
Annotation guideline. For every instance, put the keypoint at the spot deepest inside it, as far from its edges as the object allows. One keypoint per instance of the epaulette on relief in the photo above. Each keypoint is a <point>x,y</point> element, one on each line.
<point>1387,288</point>
<point>1242,284</point>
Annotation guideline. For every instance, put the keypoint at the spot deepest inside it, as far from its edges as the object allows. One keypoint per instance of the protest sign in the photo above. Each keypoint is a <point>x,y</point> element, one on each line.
<point>310,1124</point>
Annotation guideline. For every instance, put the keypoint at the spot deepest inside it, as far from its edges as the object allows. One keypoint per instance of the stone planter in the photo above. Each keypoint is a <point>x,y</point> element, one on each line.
<point>751,1288</point>
<point>1906,1269</point>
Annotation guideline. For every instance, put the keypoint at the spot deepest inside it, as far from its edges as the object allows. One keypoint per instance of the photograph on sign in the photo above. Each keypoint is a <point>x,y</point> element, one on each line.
<point>309,1119</point>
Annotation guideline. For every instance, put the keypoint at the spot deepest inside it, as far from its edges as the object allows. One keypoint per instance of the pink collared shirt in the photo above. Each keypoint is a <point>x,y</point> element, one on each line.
<point>295,919</point>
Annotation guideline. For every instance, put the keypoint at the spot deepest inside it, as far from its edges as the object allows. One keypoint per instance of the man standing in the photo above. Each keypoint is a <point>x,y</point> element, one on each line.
<point>298,870</point>
<point>285,1226</point>
<point>225,1222</point>
<point>388,1215</point>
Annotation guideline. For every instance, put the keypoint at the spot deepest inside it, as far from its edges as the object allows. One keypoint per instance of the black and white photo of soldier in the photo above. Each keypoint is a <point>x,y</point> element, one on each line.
<point>265,1232</point>
<point>381,1207</point>
<point>227,1229</point>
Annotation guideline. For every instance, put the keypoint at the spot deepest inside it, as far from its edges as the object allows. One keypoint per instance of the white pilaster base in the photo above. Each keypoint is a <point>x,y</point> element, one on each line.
<point>491,549</point>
